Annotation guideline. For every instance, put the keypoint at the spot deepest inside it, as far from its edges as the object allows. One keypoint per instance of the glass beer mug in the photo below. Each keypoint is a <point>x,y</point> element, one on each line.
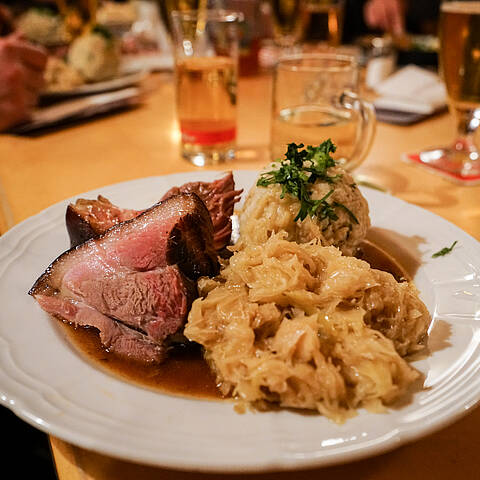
<point>315,98</point>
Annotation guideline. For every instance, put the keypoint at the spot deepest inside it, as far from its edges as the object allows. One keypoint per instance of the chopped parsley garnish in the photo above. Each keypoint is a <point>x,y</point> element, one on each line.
<point>444,250</point>
<point>44,10</point>
<point>296,174</point>
<point>350,213</point>
<point>103,31</point>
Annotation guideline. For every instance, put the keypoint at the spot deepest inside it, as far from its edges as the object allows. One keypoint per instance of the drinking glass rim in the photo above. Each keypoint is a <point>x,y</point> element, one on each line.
<point>349,62</point>
<point>213,14</point>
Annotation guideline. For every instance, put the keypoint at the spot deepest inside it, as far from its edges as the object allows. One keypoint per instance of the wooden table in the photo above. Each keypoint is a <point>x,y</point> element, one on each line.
<point>39,171</point>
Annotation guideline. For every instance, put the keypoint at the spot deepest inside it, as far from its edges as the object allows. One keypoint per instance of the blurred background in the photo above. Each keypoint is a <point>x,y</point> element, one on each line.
<point>88,42</point>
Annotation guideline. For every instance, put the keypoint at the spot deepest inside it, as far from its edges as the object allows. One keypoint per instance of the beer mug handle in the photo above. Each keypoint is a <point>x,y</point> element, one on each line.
<point>365,130</point>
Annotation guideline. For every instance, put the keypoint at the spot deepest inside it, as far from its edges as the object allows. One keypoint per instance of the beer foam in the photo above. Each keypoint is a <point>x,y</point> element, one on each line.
<point>472,8</point>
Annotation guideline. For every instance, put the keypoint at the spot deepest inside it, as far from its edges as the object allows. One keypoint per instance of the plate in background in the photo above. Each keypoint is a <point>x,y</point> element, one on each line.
<point>122,81</point>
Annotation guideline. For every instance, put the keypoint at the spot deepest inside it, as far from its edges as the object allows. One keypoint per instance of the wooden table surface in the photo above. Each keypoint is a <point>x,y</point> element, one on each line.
<point>36,172</point>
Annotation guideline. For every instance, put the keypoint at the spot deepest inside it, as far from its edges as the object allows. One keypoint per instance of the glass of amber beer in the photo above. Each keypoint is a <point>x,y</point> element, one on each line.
<point>206,65</point>
<point>324,21</point>
<point>460,67</point>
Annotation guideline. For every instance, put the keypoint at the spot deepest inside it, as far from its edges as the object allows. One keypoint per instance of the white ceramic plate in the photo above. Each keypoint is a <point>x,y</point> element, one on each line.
<point>47,383</point>
<point>122,81</point>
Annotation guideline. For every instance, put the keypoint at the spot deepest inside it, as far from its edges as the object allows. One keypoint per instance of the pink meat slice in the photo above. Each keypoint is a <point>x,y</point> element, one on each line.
<point>89,218</point>
<point>137,275</point>
<point>220,198</point>
<point>154,301</point>
<point>114,336</point>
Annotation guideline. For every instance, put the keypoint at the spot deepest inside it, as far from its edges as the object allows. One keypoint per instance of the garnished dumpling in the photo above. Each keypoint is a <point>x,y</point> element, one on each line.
<point>96,55</point>
<point>308,196</point>
<point>303,326</point>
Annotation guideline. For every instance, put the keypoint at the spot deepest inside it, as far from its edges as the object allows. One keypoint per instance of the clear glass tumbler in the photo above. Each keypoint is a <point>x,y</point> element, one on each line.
<point>206,47</point>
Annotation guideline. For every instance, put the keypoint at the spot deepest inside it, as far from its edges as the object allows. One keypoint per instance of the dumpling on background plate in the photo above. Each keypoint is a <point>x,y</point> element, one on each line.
<point>95,54</point>
<point>44,26</point>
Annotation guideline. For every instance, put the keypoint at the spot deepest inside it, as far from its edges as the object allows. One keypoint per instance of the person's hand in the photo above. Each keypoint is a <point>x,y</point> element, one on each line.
<point>386,15</point>
<point>21,78</point>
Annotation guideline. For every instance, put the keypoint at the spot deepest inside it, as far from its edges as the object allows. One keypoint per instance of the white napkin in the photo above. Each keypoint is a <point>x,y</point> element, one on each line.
<point>411,89</point>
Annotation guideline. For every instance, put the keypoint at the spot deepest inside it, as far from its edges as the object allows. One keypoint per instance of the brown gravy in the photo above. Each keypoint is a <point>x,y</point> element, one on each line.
<point>185,372</point>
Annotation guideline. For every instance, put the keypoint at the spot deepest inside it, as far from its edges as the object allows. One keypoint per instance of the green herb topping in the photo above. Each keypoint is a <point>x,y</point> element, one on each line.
<point>103,31</point>
<point>44,10</point>
<point>444,250</point>
<point>298,171</point>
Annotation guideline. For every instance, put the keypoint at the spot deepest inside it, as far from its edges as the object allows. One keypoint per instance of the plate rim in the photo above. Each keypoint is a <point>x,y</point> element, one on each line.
<point>123,80</point>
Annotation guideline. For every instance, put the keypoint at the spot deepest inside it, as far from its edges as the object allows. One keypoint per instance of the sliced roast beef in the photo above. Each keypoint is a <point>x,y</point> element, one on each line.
<point>133,283</point>
<point>115,336</point>
<point>220,198</point>
<point>90,218</point>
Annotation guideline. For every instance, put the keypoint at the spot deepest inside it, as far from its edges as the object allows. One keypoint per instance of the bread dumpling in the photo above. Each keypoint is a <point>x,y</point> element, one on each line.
<point>95,54</point>
<point>266,212</point>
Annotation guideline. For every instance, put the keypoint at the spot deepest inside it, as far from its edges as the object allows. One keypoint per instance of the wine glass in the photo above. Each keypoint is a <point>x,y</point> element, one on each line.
<point>288,22</point>
<point>460,67</point>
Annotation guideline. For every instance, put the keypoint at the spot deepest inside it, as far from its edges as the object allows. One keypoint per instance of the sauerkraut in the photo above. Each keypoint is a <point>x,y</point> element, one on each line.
<point>265,212</point>
<point>303,326</point>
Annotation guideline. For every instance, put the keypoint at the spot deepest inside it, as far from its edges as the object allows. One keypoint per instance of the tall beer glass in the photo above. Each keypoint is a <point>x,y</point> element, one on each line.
<point>460,67</point>
<point>324,21</point>
<point>168,6</point>
<point>206,65</point>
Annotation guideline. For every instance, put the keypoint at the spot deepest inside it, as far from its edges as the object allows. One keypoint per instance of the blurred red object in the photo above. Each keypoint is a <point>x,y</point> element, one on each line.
<point>6,21</point>
<point>21,79</point>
